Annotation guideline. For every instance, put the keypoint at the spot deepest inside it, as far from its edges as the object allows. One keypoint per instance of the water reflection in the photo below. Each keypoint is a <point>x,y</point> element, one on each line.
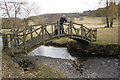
<point>53,52</point>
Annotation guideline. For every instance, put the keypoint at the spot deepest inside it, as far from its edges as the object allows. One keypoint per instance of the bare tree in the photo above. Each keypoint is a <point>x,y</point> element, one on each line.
<point>111,12</point>
<point>30,8</point>
<point>18,9</point>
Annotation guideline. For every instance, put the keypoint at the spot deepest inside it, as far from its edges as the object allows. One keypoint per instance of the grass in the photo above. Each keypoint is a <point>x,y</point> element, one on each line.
<point>107,36</point>
<point>47,72</point>
<point>11,69</point>
<point>94,21</point>
<point>104,36</point>
<point>63,40</point>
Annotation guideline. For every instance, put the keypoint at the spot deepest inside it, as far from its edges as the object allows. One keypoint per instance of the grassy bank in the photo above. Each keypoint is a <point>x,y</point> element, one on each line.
<point>107,36</point>
<point>11,69</point>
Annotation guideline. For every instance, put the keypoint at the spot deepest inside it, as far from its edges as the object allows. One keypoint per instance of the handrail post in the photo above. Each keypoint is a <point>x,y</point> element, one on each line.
<point>43,40</point>
<point>82,30</point>
<point>71,28</point>
<point>58,27</point>
<point>52,28</point>
<point>45,28</point>
<point>91,33</point>
<point>31,32</point>
<point>11,44</point>
<point>96,34</point>
<point>16,41</point>
<point>25,45</point>
<point>5,41</point>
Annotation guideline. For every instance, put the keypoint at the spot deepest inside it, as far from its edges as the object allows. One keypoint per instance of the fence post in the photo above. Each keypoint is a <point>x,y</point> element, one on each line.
<point>25,45</point>
<point>11,44</point>
<point>43,40</point>
<point>58,27</point>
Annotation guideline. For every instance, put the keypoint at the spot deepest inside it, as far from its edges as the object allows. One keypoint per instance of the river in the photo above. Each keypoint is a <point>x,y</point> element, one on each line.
<point>94,67</point>
<point>54,52</point>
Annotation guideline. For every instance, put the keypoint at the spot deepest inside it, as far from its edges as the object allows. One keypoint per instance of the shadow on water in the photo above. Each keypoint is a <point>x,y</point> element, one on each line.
<point>84,51</point>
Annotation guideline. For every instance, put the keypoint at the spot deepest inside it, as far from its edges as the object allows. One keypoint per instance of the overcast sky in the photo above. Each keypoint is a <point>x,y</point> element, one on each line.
<point>66,6</point>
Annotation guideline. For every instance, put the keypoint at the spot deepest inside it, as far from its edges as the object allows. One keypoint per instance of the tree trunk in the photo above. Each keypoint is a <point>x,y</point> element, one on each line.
<point>107,21</point>
<point>111,23</point>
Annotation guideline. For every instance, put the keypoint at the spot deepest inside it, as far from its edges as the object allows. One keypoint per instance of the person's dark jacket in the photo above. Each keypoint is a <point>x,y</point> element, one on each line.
<point>62,20</point>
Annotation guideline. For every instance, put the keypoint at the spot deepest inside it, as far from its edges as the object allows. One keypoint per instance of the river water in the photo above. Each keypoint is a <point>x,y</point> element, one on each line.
<point>54,52</point>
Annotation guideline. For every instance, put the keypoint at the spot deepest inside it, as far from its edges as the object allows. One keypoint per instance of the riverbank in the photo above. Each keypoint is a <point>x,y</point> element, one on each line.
<point>76,48</point>
<point>12,69</point>
<point>92,67</point>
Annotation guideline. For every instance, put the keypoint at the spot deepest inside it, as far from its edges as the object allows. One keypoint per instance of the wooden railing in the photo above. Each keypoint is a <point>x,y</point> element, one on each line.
<point>45,33</point>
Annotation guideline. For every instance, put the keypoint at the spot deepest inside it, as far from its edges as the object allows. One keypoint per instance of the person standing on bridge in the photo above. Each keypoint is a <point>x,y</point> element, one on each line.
<point>62,21</point>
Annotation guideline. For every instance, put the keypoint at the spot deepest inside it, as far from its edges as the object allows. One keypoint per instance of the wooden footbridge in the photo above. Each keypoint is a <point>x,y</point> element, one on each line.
<point>36,35</point>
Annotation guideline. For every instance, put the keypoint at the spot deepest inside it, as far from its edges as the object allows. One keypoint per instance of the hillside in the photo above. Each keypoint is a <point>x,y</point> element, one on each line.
<point>48,18</point>
<point>101,12</point>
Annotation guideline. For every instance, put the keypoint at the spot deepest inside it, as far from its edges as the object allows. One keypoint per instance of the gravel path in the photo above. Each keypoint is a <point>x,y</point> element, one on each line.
<point>92,68</point>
